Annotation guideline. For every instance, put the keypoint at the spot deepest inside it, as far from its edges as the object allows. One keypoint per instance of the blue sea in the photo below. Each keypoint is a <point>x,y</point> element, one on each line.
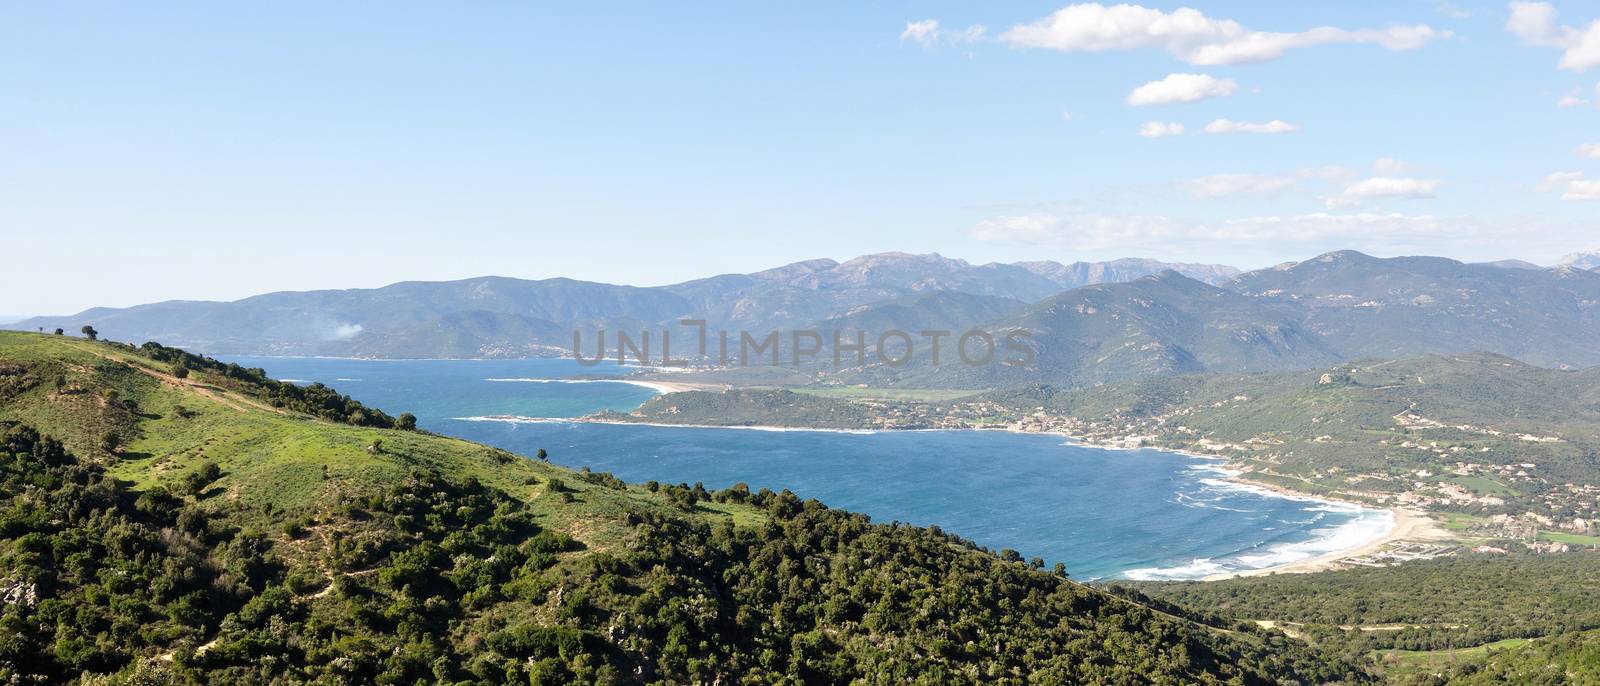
<point>1140,514</point>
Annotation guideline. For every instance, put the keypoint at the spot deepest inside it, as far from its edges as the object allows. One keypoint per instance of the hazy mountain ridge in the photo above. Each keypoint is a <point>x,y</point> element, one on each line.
<point>1366,306</point>
<point>507,317</point>
<point>1298,315</point>
<point>1155,326</point>
<point>1339,306</point>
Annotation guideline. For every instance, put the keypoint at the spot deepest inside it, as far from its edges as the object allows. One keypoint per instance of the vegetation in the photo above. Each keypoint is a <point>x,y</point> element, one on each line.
<point>1426,614</point>
<point>1569,659</point>
<point>313,399</point>
<point>234,540</point>
<point>750,407</point>
<point>891,394</point>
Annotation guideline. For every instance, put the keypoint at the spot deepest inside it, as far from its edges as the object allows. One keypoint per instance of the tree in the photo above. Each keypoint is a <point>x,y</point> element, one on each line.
<point>543,455</point>
<point>197,481</point>
<point>109,441</point>
<point>60,331</point>
<point>406,422</point>
<point>90,332</point>
<point>180,370</point>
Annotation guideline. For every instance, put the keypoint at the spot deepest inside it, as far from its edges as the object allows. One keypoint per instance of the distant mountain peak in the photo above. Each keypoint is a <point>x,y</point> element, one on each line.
<point>1511,264</point>
<point>1345,256</point>
<point>1584,259</point>
<point>796,269</point>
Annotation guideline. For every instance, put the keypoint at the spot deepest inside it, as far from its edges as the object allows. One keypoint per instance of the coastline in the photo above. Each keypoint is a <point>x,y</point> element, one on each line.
<point>1407,524</point>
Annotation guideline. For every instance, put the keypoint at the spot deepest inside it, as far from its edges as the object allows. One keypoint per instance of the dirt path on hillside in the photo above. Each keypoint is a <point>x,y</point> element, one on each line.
<point>233,400</point>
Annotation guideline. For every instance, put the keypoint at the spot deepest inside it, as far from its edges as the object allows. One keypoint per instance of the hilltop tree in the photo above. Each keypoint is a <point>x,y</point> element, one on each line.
<point>180,370</point>
<point>543,455</point>
<point>60,331</point>
<point>406,422</point>
<point>89,332</point>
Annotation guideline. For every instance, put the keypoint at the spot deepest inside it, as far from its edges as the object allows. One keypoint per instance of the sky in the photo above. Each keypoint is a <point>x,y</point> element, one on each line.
<point>153,151</point>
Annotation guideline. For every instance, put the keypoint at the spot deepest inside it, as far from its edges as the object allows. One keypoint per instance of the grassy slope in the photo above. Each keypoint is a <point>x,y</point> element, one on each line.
<point>278,465</point>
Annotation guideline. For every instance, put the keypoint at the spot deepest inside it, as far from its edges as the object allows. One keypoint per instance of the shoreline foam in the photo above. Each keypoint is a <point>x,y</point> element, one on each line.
<point>660,387</point>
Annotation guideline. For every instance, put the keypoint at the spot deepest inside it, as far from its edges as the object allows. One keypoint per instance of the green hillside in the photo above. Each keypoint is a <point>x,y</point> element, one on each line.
<point>1478,619</point>
<point>210,526</point>
<point>1472,432</point>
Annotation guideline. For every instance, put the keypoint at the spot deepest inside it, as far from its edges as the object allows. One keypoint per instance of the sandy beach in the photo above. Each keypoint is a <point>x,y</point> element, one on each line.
<point>665,387</point>
<point>1409,525</point>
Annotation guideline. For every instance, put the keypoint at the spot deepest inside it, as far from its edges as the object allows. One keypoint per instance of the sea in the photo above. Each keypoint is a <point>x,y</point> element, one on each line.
<point>1105,514</point>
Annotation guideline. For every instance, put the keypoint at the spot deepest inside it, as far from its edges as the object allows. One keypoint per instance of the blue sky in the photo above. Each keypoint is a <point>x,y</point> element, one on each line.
<point>203,151</point>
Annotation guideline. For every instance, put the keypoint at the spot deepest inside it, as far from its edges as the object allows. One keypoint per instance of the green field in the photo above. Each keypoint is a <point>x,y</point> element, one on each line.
<point>1431,661</point>
<point>1482,485</point>
<point>1457,521</point>
<point>1571,539</point>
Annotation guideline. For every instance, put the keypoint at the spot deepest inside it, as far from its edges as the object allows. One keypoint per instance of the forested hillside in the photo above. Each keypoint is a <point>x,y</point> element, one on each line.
<point>1471,432</point>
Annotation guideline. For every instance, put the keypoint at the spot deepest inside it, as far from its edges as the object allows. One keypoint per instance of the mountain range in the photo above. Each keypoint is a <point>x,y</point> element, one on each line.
<point>1089,323</point>
<point>505,317</point>
<point>1339,306</point>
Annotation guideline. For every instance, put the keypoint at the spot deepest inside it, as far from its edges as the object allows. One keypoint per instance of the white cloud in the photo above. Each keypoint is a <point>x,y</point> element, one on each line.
<point>1589,150</point>
<point>1177,88</point>
<point>1220,185</point>
<point>1571,185</point>
<point>1575,98</point>
<point>1159,129</point>
<point>1384,187</point>
<point>1535,22</point>
<point>925,32</point>
<point>1230,126</point>
<point>929,34</point>
<point>1190,35</point>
